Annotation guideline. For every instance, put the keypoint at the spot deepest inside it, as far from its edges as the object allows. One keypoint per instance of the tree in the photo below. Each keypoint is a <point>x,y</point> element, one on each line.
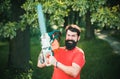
<point>57,12</point>
<point>62,13</point>
<point>11,28</point>
<point>65,12</point>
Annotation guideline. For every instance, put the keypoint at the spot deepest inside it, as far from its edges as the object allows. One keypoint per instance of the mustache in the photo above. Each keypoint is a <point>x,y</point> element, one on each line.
<point>70,41</point>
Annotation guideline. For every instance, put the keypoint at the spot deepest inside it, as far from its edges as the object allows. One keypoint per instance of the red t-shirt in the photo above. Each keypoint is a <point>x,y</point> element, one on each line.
<point>67,57</point>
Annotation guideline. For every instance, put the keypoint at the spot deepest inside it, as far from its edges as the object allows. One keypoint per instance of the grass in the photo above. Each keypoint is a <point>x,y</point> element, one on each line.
<point>3,54</point>
<point>116,34</point>
<point>101,61</point>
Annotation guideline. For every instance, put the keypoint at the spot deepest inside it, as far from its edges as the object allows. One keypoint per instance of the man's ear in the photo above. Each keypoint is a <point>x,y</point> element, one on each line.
<point>78,38</point>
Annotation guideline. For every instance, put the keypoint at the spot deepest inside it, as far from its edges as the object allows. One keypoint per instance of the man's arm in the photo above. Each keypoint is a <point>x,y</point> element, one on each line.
<point>40,65</point>
<point>40,62</point>
<point>70,70</point>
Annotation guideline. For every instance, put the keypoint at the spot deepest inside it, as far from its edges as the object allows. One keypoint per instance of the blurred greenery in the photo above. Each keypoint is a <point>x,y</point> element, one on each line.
<point>101,61</point>
<point>57,12</point>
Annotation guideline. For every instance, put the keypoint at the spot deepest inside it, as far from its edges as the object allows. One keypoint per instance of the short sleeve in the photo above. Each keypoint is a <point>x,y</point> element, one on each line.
<point>79,58</point>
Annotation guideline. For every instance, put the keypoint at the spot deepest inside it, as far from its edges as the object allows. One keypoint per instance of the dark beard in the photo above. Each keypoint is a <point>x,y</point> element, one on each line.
<point>70,44</point>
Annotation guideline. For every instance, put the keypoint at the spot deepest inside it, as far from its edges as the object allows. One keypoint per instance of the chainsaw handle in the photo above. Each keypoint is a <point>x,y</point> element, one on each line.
<point>54,35</point>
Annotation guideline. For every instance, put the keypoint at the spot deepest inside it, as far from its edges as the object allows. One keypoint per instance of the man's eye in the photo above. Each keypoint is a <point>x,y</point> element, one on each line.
<point>68,35</point>
<point>73,35</point>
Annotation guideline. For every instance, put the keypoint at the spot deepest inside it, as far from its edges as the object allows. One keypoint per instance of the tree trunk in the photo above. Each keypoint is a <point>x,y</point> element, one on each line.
<point>89,34</point>
<point>19,52</point>
<point>66,21</point>
<point>19,47</point>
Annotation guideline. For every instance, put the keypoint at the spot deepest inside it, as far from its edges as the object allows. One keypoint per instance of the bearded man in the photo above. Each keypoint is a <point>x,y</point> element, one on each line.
<point>70,59</point>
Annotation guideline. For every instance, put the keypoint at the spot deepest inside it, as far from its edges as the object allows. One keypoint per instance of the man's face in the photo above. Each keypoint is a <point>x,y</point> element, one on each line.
<point>71,39</point>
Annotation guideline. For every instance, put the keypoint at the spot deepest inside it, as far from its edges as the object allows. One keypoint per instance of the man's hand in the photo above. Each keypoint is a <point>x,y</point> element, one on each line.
<point>55,44</point>
<point>52,60</point>
<point>43,60</point>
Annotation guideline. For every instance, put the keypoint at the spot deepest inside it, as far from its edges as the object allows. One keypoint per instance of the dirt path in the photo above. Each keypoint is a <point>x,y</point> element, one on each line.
<point>112,41</point>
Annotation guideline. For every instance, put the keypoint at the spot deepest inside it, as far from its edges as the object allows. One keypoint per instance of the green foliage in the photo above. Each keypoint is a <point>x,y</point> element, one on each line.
<point>84,5</point>
<point>55,11</point>
<point>5,12</point>
<point>30,17</point>
<point>5,7</point>
<point>8,30</point>
<point>101,62</point>
<point>27,75</point>
<point>106,16</point>
<point>80,6</point>
<point>15,74</point>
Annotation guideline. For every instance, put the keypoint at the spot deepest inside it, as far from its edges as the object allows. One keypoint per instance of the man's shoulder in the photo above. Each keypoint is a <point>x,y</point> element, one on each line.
<point>79,49</point>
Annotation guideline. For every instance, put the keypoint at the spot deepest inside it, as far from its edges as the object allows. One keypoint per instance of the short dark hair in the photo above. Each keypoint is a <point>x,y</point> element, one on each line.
<point>73,28</point>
